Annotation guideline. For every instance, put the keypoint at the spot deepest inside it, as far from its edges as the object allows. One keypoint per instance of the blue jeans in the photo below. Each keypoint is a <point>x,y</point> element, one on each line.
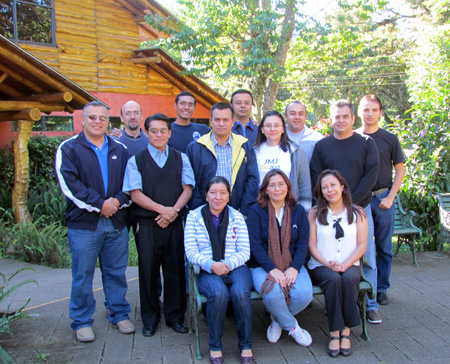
<point>383,221</point>
<point>218,295</point>
<point>370,267</point>
<point>301,295</point>
<point>111,247</point>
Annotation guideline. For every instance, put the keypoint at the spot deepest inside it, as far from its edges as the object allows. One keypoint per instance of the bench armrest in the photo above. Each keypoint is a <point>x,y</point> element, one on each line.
<point>372,291</point>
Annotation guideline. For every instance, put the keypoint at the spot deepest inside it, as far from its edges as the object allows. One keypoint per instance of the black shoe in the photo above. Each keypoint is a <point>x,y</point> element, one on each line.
<point>180,328</point>
<point>382,298</point>
<point>149,330</point>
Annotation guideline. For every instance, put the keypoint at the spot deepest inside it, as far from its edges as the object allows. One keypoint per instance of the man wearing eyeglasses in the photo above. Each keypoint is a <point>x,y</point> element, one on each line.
<point>184,131</point>
<point>90,169</point>
<point>160,181</point>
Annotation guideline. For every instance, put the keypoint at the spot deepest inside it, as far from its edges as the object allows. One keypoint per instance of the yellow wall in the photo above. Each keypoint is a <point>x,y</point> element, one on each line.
<point>94,44</point>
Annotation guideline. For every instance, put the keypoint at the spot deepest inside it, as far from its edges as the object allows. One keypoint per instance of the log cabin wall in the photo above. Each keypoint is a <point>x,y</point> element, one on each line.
<point>94,44</point>
<point>94,47</point>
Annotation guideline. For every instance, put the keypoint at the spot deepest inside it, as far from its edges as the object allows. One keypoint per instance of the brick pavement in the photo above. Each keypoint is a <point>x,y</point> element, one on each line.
<point>415,328</point>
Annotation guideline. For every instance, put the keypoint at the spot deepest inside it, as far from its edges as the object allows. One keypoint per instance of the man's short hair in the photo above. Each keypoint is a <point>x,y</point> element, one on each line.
<point>185,93</point>
<point>94,103</point>
<point>294,102</point>
<point>222,106</point>
<point>240,91</point>
<point>121,108</point>
<point>157,116</point>
<point>343,103</point>
<point>375,98</point>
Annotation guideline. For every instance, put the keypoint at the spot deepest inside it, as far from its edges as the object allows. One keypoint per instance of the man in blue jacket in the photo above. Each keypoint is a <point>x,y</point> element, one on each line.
<point>223,153</point>
<point>90,169</point>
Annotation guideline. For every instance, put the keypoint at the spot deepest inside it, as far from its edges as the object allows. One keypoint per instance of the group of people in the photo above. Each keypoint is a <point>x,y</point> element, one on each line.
<point>259,196</point>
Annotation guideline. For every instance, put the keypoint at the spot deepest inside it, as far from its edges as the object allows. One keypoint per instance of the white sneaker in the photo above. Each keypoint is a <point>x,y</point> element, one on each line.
<point>85,334</point>
<point>301,336</point>
<point>274,332</point>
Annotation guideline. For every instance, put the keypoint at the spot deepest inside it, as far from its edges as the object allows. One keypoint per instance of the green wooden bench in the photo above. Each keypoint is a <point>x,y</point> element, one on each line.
<point>444,217</point>
<point>196,300</point>
<point>404,228</point>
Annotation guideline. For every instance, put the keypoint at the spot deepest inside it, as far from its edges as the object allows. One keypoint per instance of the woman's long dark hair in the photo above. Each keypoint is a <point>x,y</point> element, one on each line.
<point>261,138</point>
<point>263,198</point>
<point>322,203</point>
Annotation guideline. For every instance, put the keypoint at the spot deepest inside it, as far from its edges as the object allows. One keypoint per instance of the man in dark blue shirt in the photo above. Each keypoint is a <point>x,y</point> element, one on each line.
<point>242,102</point>
<point>184,131</point>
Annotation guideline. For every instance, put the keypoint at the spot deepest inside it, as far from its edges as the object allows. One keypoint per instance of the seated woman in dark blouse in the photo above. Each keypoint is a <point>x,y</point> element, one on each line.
<point>279,231</point>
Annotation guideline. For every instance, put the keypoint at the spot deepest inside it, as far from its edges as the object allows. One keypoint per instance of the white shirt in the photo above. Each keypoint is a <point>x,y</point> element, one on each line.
<point>331,248</point>
<point>269,157</point>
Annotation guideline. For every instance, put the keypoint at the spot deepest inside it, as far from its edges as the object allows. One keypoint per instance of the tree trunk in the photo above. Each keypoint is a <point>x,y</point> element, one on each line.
<point>21,174</point>
<point>281,52</point>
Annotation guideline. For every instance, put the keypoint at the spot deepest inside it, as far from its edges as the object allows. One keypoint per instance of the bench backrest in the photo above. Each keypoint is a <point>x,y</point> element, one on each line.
<point>398,215</point>
<point>444,201</point>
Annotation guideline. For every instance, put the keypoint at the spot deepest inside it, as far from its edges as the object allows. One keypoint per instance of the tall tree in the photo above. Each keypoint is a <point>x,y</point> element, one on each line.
<point>358,50</point>
<point>242,42</point>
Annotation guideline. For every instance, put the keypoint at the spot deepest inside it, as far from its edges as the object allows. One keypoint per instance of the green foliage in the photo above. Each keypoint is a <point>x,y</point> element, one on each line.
<point>234,43</point>
<point>425,140</point>
<point>359,50</point>
<point>38,242</point>
<point>42,151</point>
<point>7,170</point>
<point>47,200</point>
<point>132,251</point>
<point>5,291</point>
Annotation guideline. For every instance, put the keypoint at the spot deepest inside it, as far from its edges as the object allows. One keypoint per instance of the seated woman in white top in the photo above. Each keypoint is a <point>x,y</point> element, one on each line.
<point>337,240</point>
<point>274,150</point>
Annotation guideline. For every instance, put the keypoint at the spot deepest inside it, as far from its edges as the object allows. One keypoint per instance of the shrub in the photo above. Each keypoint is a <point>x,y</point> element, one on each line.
<point>425,140</point>
<point>38,242</point>
<point>47,199</point>
<point>42,150</point>
<point>7,317</point>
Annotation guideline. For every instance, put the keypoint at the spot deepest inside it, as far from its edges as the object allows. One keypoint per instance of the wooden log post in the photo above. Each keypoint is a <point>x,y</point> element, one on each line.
<point>21,173</point>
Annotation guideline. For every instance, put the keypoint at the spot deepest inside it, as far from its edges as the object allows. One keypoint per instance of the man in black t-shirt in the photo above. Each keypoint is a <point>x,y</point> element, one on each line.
<point>383,193</point>
<point>355,156</point>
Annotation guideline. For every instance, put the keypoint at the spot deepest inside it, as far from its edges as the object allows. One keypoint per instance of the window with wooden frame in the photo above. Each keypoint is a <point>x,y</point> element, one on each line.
<point>28,20</point>
<point>50,123</point>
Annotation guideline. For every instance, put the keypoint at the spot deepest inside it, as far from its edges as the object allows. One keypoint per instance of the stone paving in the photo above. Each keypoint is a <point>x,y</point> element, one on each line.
<point>415,328</point>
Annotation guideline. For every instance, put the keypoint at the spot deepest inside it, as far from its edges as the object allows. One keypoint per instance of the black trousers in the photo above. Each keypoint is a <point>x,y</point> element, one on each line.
<point>341,292</point>
<point>157,246</point>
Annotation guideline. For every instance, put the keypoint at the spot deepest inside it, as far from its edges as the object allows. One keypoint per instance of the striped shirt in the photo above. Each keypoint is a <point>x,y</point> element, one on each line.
<point>197,243</point>
<point>223,155</point>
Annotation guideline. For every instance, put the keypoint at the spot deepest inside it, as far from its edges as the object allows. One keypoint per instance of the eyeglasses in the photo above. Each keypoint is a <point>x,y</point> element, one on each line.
<point>156,130</point>
<point>273,126</point>
<point>279,185</point>
<point>184,103</point>
<point>95,117</point>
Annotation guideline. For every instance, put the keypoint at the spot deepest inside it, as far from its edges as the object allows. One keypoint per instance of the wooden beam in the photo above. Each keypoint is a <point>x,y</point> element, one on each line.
<point>147,60</point>
<point>20,78</point>
<point>128,6</point>
<point>21,105</point>
<point>69,109</point>
<point>3,77</point>
<point>176,81</point>
<point>54,97</point>
<point>43,76</point>
<point>28,114</point>
<point>10,91</point>
<point>190,82</point>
